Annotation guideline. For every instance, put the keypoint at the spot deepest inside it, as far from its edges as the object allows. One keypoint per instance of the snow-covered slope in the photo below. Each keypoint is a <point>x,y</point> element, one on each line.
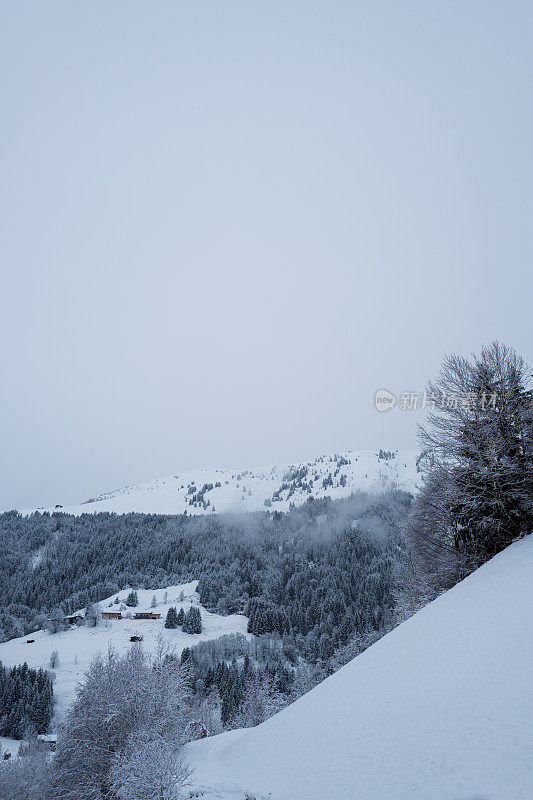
<point>77,646</point>
<point>228,490</point>
<point>439,709</point>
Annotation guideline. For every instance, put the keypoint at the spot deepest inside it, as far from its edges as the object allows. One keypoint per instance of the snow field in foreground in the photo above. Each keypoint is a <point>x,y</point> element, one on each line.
<point>439,709</point>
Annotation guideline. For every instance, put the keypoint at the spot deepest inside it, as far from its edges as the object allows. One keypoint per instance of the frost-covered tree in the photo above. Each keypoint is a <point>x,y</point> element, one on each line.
<point>132,599</point>
<point>192,622</point>
<point>26,700</point>
<point>28,776</point>
<point>93,615</point>
<point>172,618</point>
<point>260,699</point>
<point>56,621</point>
<point>149,767</point>
<point>480,437</point>
<point>54,659</point>
<point>122,697</point>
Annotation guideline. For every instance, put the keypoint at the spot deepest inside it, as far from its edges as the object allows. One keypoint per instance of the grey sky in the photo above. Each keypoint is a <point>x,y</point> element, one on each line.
<point>226,224</point>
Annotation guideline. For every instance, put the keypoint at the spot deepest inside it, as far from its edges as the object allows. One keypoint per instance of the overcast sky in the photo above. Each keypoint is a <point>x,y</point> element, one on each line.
<point>226,224</point>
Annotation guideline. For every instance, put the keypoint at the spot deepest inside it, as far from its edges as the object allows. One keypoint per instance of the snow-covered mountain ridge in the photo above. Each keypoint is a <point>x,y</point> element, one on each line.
<point>203,491</point>
<point>440,708</point>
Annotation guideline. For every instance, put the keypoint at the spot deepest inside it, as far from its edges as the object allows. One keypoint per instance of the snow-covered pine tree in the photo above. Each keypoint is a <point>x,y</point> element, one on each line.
<point>172,618</point>
<point>132,599</point>
<point>192,622</point>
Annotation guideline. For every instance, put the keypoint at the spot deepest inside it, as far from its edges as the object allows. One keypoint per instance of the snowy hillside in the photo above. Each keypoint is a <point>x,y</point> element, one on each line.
<point>203,491</point>
<point>440,708</point>
<point>77,645</point>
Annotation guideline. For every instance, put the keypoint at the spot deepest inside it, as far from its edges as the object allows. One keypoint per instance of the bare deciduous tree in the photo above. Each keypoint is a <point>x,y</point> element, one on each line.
<point>478,496</point>
<point>122,697</point>
<point>150,767</point>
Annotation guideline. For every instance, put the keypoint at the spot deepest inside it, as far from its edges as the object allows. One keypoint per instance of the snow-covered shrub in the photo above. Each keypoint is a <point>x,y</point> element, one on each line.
<point>125,700</point>
<point>93,615</point>
<point>27,777</point>
<point>56,621</point>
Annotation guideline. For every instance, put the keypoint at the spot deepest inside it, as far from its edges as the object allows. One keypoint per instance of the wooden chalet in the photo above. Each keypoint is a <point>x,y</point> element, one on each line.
<point>146,615</point>
<point>111,615</point>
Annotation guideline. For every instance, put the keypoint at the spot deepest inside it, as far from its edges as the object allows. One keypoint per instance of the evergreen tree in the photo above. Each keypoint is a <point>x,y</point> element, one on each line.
<point>26,700</point>
<point>192,622</point>
<point>172,618</point>
<point>132,599</point>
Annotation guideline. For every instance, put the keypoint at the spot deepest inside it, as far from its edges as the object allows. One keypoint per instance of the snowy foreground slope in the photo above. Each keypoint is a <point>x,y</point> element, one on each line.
<point>197,491</point>
<point>77,646</point>
<point>439,709</point>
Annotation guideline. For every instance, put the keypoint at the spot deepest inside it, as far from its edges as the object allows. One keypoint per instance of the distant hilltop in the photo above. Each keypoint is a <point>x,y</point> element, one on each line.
<point>208,490</point>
